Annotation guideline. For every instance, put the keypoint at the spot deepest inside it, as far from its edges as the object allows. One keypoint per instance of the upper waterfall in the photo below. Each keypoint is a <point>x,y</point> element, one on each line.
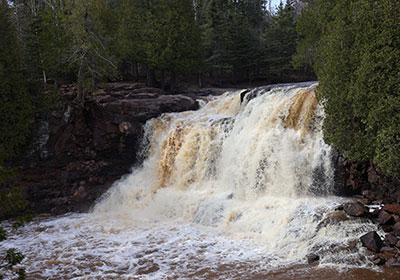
<point>270,144</point>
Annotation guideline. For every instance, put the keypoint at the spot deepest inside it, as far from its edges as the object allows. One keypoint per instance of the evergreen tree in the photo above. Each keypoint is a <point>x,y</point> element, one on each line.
<point>280,39</point>
<point>173,43</point>
<point>232,36</point>
<point>355,53</point>
<point>16,110</point>
<point>132,33</point>
<point>89,54</point>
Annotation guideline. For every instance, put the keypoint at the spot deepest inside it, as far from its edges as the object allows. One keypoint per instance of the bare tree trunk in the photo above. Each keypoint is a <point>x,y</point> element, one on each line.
<point>163,86</point>
<point>136,71</point>
<point>200,81</point>
<point>173,82</point>
<point>151,77</point>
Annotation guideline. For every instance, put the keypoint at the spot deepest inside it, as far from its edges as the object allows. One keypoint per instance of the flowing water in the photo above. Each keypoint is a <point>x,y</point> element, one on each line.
<point>235,190</point>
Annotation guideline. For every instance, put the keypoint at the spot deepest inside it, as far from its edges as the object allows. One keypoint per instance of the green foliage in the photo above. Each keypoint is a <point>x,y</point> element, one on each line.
<point>11,202</point>
<point>89,53</point>
<point>232,32</point>
<point>355,55</point>
<point>176,43</point>
<point>280,38</point>
<point>16,110</point>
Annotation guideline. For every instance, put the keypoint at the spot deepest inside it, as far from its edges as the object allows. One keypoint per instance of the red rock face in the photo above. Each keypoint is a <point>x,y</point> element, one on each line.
<point>90,147</point>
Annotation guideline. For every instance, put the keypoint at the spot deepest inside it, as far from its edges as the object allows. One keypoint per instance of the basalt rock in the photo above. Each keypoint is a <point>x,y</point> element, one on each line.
<point>84,149</point>
<point>355,209</point>
<point>384,218</point>
<point>372,241</point>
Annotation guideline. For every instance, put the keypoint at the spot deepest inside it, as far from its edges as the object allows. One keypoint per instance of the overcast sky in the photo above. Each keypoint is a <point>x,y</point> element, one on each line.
<point>276,2</point>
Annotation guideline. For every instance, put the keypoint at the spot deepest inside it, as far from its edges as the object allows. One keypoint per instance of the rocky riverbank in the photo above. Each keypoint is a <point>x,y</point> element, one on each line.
<point>376,198</point>
<point>79,152</point>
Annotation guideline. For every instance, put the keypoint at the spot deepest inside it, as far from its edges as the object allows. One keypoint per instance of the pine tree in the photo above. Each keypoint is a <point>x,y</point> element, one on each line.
<point>173,38</point>
<point>355,49</point>
<point>89,53</point>
<point>16,111</point>
<point>280,39</point>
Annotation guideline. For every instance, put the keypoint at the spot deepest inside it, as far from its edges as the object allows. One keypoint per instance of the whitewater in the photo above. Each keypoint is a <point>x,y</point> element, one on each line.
<point>243,188</point>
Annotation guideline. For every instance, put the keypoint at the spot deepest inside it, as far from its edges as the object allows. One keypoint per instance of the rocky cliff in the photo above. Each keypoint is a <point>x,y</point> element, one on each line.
<point>80,151</point>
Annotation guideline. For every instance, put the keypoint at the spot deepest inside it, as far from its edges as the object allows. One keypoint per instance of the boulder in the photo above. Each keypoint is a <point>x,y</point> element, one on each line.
<point>384,218</point>
<point>392,208</point>
<point>311,258</point>
<point>396,228</point>
<point>390,239</point>
<point>372,241</point>
<point>355,209</point>
<point>393,262</point>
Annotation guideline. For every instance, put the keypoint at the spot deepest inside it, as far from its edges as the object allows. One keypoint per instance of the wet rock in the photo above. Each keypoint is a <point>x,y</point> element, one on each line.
<point>96,143</point>
<point>339,208</point>
<point>387,228</point>
<point>372,241</point>
<point>379,261</point>
<point>392,208</point>
<point>384,218</point>
<point>390,239</point>
<point>355,209</point>
<point>393,262</point>
<point>311,258</point>
<point>388,250</point>
<point>80,194</point>
<point>396,228</point>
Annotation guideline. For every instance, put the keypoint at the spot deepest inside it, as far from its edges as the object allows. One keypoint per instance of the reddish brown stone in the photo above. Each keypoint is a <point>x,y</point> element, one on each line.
<point>392,208</point>
<point>390,239</point>
<point>356,209</point>
<point>384,218</point>
<point>372,241</point>
<point>396,229</point>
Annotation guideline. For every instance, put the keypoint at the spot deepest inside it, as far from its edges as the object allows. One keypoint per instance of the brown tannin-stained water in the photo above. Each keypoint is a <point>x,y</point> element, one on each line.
<point>231,191</point>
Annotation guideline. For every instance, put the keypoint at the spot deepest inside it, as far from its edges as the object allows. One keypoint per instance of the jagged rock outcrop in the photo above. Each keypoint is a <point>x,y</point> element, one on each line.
<point>81,151</point>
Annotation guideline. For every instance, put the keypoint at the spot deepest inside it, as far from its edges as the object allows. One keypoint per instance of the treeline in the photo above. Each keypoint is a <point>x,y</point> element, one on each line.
<point>354,47</point>
<point>88,41</point>
<point>45,43</point>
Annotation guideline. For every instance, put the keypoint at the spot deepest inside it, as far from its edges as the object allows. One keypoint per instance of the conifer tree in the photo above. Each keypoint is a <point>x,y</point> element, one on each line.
<point>173,38</point>
<point>355,49</point>
<point>16,111</point>
<point>280,39</point>
<point>89,53</point>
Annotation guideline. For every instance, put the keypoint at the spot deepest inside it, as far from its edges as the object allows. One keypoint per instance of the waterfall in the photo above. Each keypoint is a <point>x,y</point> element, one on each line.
<point>258,168</point>
<point>243,188</point>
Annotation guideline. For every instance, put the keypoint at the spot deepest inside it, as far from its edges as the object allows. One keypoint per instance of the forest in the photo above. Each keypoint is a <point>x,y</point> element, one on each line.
<point>351,47</point>
<point>47,43</point>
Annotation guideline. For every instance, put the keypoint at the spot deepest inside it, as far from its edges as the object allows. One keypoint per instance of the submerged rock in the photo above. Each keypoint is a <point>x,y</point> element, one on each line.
<point>311,258</point>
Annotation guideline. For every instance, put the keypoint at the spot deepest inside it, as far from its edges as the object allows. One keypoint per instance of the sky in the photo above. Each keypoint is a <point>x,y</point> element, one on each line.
<point>276,2</point>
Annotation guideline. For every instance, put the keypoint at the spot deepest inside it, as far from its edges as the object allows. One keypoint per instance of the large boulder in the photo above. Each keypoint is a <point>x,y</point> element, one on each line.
<point>355,209</point>
<point>372,241</point>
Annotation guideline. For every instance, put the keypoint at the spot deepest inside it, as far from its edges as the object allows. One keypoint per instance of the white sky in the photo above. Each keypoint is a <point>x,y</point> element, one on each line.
<point>276,2</point>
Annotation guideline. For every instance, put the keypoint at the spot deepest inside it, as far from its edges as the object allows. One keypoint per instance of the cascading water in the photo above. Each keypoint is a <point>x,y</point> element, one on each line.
<point>235,189</point>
